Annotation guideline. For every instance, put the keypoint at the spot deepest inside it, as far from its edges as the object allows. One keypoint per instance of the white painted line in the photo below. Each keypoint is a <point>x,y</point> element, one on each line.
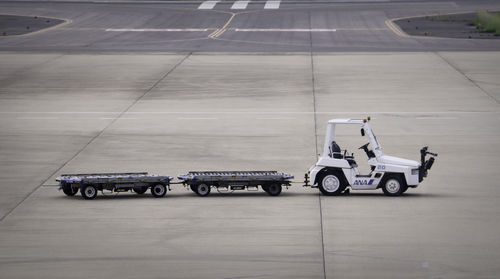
<point>197,118</point>
<point>254,112</point>
<point>275,118</point>
<point>435,118</point>
<point>207,5</point>
<point>240,5</point>
<point>281,30</point>
<point>121,118</point>
<point>271,4</point>
<point>158,30</point>
<point>37,118</point>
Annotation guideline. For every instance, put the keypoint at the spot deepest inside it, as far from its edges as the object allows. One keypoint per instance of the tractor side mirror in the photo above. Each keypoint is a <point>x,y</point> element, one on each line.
<point>362,132</point>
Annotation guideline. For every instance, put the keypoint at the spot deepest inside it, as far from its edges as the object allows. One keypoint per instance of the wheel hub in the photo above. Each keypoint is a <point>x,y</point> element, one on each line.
<point>203,189</point>
<point>158,190</point>
<point>89,191</point>
<point>331,183</point>
<point>393,186</point>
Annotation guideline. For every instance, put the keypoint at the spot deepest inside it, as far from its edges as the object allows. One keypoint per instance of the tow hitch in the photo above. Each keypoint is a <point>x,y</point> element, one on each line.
<point>425,165</point>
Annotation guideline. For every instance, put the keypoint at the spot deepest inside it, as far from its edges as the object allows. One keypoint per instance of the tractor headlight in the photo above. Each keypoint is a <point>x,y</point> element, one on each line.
<point>414,172</point>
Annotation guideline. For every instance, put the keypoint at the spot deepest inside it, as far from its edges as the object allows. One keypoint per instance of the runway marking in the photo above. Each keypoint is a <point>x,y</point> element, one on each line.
<point>272,4</point>
<point>208,5</point>
<point>281,30</point>
<point>240,5</point>
<point>158,30</point>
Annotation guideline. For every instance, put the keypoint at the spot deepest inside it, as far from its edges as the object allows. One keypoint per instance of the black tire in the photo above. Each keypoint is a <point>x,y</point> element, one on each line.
<point>394,185</point>
<point>158,190</point>
<point>69,190</point>
<point>193,188</point>
<point>202,190</point>
<point>140,190</point>
<point>265,188</point>
<point>331,184</point>
<point>89,192</point>
<point>274,189</point>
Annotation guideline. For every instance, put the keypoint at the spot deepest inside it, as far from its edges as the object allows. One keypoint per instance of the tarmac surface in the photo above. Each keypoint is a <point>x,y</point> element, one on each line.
<point>184,27</point>
<point>65,109</point>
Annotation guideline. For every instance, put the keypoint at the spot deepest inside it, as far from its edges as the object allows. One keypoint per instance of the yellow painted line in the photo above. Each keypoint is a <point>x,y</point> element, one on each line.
<point>157,30</point>
<point>219,32</point>
<point>395,28</point>
<point>390,23</point>
<point>66,22</point>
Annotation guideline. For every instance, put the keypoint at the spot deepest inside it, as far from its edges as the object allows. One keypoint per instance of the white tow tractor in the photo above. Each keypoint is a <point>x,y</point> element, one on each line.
<point>336,171</point>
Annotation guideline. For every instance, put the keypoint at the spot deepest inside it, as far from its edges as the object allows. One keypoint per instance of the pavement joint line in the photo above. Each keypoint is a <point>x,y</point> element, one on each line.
<point>93,138</point>
<point>313,85</point>
<point>467,77</point>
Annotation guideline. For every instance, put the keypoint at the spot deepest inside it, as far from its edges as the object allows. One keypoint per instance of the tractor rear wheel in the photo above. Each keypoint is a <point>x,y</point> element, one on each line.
<point>330,184</point>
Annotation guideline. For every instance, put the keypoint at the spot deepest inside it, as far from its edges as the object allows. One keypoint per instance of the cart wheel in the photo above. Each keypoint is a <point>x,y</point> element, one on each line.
<point>394,186</point>
<point>202,190</point>
<point>158,190</point>
<point>140,190</point>
<point>193,188</point>
<point>265,188</point>
<point>330,184</point>
<point>274,189</point>
<point>89,192</point>
<point>69,190</point>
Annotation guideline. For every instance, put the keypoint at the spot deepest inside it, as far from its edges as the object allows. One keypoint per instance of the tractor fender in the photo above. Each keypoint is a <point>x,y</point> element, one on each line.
<point>324,170</point>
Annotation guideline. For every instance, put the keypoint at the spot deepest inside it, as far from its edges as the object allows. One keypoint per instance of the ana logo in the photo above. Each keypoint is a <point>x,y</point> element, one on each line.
<point>363,182</point>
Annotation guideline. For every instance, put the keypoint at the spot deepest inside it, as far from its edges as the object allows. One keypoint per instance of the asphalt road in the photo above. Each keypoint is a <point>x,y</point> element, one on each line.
<point>78,98</point>
<point>183,27</point>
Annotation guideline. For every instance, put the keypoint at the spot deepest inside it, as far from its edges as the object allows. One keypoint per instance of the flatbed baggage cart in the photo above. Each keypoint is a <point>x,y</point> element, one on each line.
<point>201,182</point>
<point>90,183</point>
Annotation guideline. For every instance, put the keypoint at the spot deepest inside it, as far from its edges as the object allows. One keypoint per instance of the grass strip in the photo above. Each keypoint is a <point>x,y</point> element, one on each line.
<point>488,22</point>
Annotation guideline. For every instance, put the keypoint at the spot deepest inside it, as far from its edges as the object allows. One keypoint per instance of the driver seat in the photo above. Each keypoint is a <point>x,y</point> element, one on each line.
<point>336,152</point>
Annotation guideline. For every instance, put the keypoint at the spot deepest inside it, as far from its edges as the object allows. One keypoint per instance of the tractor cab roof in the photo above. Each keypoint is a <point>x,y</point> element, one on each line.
<point>345,121</point>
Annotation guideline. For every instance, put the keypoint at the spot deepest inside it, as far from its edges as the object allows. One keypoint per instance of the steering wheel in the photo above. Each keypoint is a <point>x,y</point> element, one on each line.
<point>364,147</point>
